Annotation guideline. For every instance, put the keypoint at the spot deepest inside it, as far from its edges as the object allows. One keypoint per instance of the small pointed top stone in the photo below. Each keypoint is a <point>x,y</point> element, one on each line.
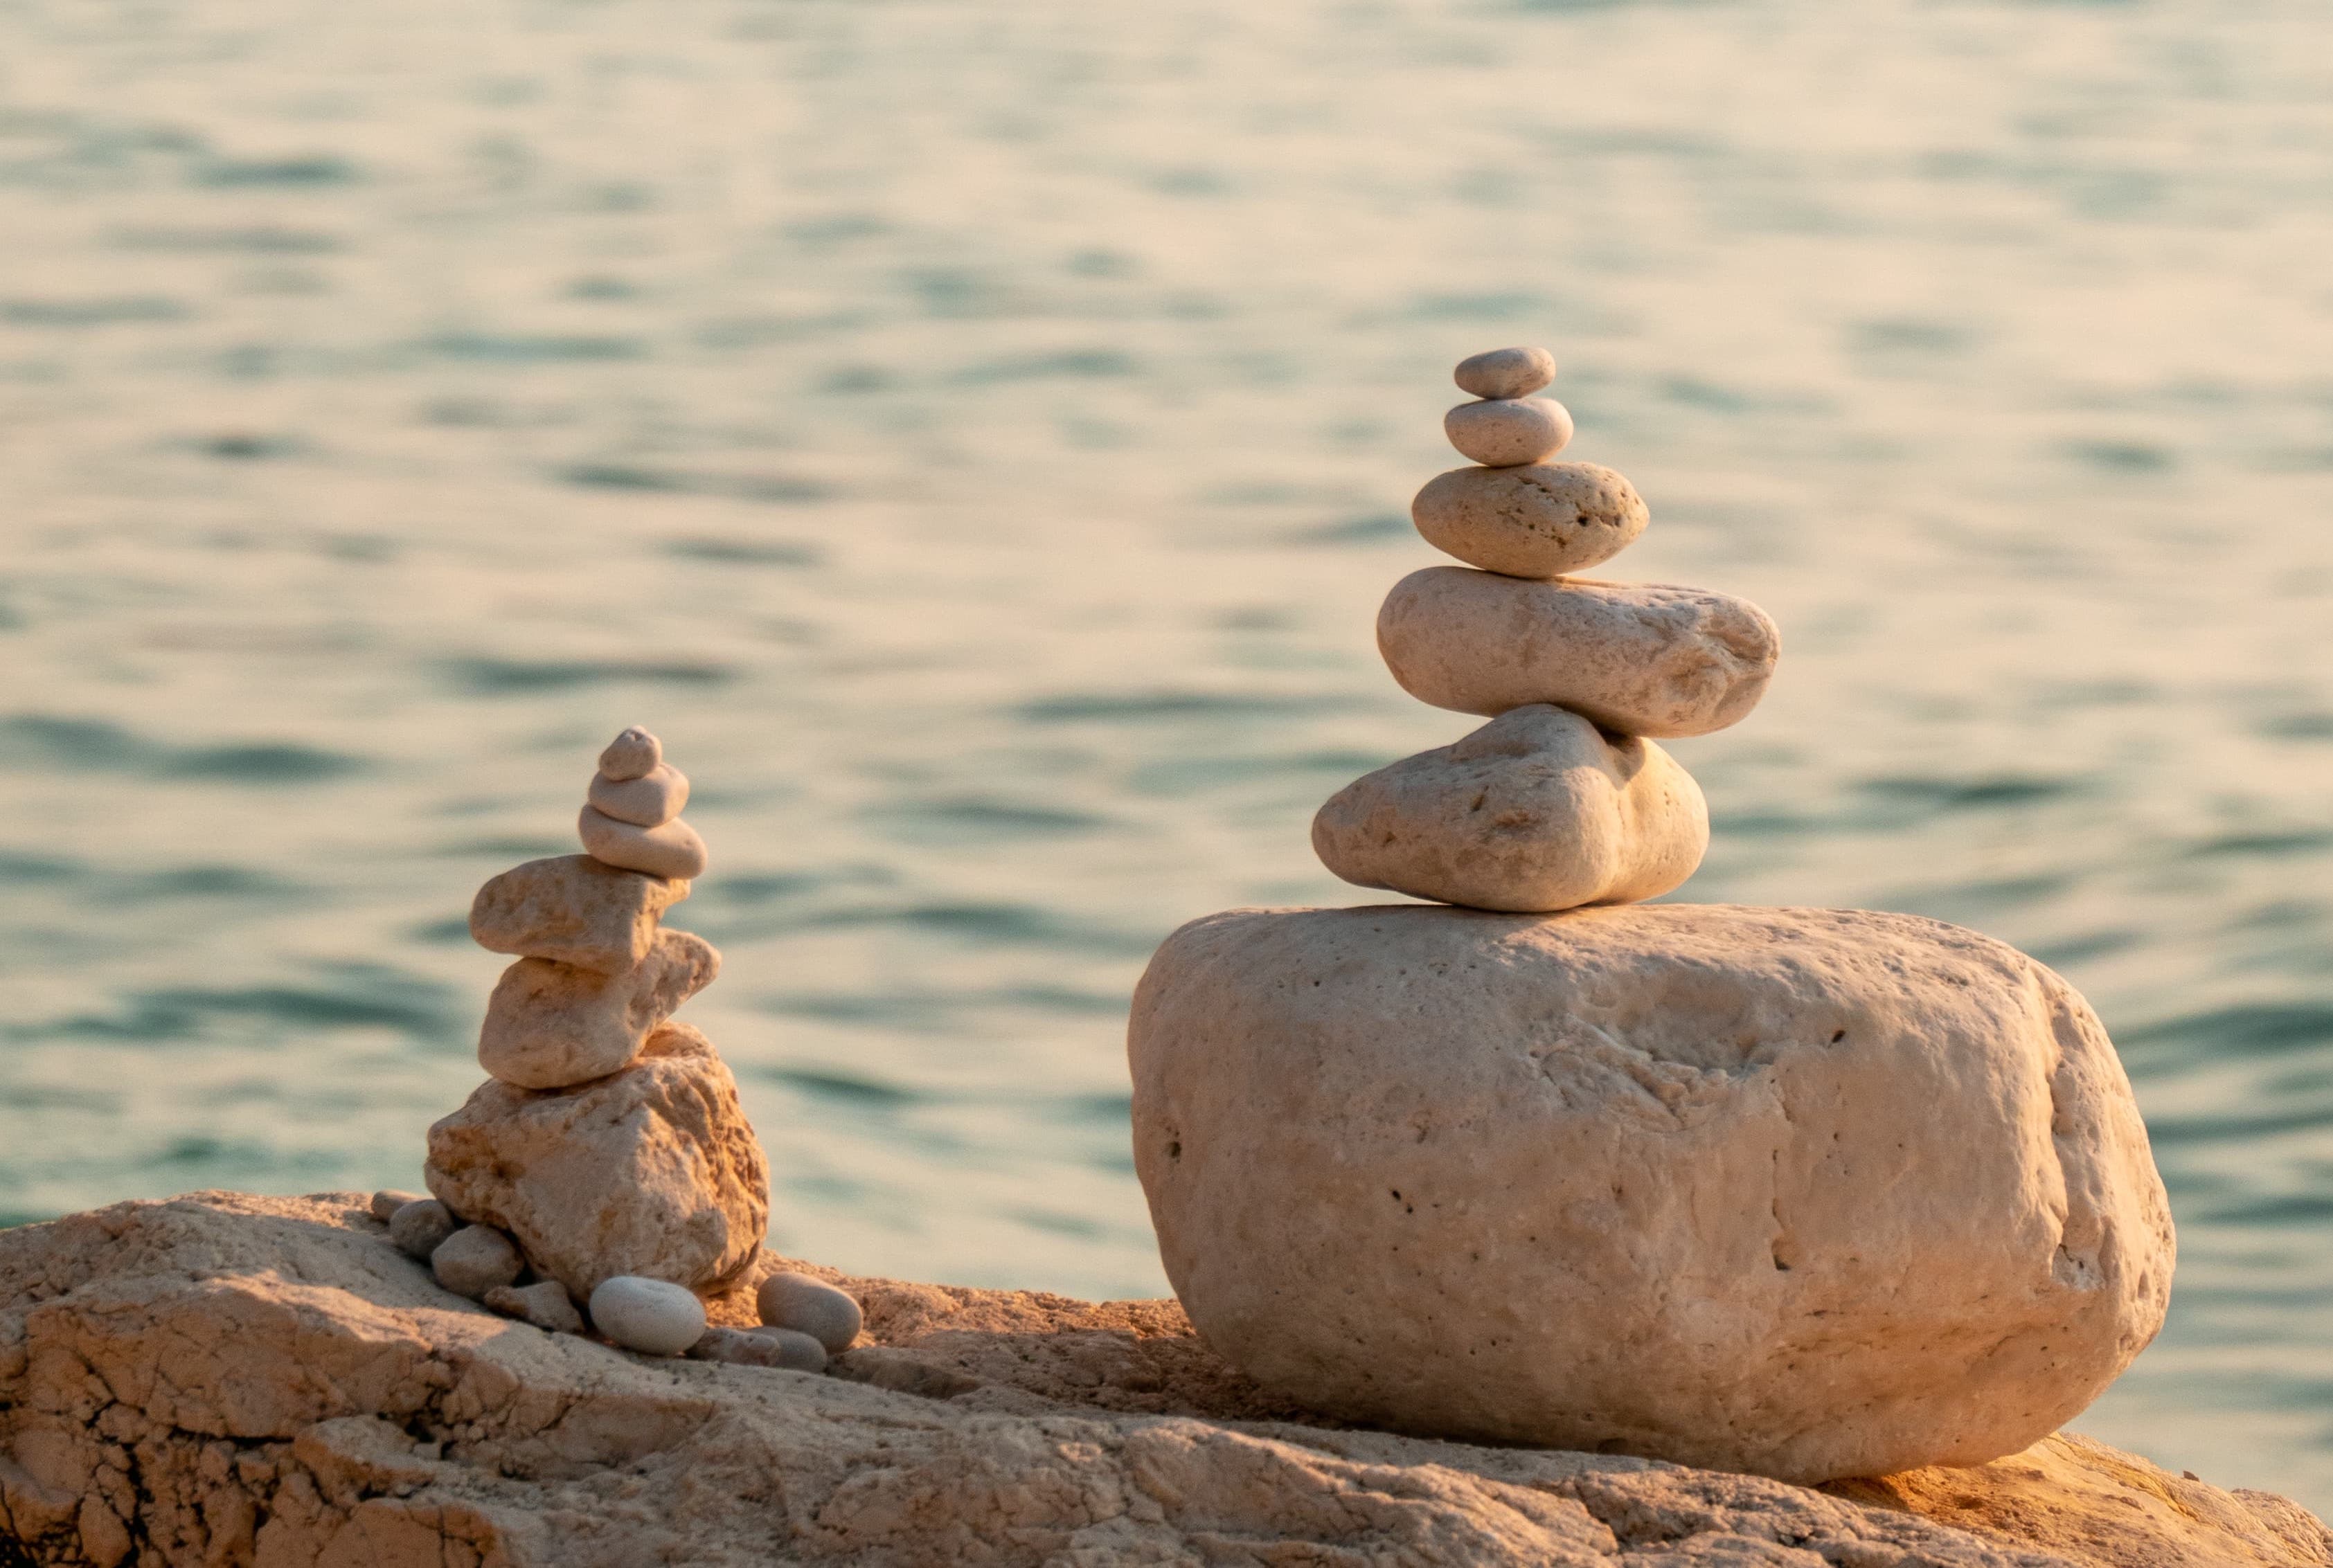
<point>633,754</point>
<point>1505,372</point>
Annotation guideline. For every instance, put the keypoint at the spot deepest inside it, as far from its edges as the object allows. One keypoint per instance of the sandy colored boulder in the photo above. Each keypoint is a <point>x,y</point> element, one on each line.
<point>574,910</point>
<point>1505,431</point>
<point>1637,658</point>
<point>1541,520</point>
<point>1505,372</point>
<point>672,849</point>
<point>1807,1193</point>
<point>1537,810</point>
<point>549,1025</point>
<point>651,1171</point>
<point>651,800</point>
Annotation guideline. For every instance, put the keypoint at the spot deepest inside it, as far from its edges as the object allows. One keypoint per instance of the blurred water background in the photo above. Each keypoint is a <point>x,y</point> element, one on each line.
<point>976,436</point>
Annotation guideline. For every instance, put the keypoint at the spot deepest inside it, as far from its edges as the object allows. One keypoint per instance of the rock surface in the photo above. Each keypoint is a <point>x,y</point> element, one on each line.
<point>1808,1193</point>
<point>571,909</point>
<point>548,1025</point>
<point>1535,811</point>
<point>652,1171</point>
<point>1541,520</point>
<point>219,1379</point>
<point>1638,659</point>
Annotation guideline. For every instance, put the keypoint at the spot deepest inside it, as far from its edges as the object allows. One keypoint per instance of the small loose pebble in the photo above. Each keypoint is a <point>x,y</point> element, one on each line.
<point>651,800</point>
<point>1505,372</point>
<point>631,755</point>
<point>672,850</point>
<point>418,1227</point>
<point>1504,432</point>
<point>544,1304</point>
<point>474,1259</point>
<point>781,1348</point>
<point>388,1200</point>
<point>650,1316</point>
<point>809,1306</point>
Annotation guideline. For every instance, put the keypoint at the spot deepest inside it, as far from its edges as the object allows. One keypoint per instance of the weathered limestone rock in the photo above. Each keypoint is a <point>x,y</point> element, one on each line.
<point>651,1171</point>
<point>545,1304</point>
<point>549,1025</point>
<point>1537,810</point>
<point>219,1379</point>
<point>1505,372</point>
<point>1810,1193</point>
<point>1506,430</point>
<point>651,800</point>
<point>571,909</point>
<point>1638,659</point>
<point>672,850</point>
<point>1541,520</point>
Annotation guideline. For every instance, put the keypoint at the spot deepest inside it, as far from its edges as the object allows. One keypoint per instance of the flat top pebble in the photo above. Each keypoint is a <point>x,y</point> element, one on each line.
<point>1505,372</point>
<point>633,754</point>
<point>652,1315</point>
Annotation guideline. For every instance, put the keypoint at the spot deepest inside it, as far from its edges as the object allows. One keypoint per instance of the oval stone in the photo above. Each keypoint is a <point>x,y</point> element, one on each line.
<point>1505,372</point>
<point>632,753</point>
<point>476,1259</point>
<point>808,1305</point>
<point>653,1317</point>
<point>1537,810</point>
<point>1637,658</point>
<point>671,850</point>
<point>1541,520</point>
<point>1503,431</point>
<point>651,800</point>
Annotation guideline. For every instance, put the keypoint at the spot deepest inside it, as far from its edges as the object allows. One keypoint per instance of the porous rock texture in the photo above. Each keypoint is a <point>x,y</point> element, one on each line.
<point>652,1171</point>
<point>219,1379</point>
<point>1539,520</point>
<point>548,1025</point>
<point>573,910</point>
<point>1810,1193</point>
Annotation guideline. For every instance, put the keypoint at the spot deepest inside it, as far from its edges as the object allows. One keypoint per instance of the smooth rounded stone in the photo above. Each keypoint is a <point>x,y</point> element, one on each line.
<point>781,1348</point>
<point>653,1170</point>
<point>808,1305</point>
<point>1807,1193</point>
<point>1537,811</point>
<point>653,1317</point>
<point>418,1227</point>
<point>388,1200</point>
<point>572,909</point>
<point>673,849</point>
<point>651,800</point>
<point>476,1259</point>
<point>1541,520</point>
<point>1505,372</point>
<point>1503,432</point>
<point>634,753</point>
<point>1637,658</point>
<point>549,1025</point>
<point>545,1304</point>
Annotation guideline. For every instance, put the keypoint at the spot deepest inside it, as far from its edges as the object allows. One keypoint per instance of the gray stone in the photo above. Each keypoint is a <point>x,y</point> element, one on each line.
<point>418,1228</point>
<point>771,1347</point>
<point>808,1305</point>
<point>653,1317</point>
<point>1541,520</point>
<point>475,1260</point>
<point>388,1200</point>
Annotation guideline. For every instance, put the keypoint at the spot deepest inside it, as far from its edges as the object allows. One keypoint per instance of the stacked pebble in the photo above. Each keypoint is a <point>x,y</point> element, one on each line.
<point>1563,798</point>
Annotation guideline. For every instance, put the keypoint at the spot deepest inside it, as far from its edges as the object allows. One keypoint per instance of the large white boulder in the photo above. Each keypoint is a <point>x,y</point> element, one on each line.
<point>1808,1193</point>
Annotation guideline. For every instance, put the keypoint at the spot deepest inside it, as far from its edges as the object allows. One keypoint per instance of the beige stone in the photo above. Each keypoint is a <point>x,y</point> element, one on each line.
<point>651,800</point>
<point>476,1259</point>
<point>806,1305</point>
<point>389,1199</point>
<point>1541,520</point>
<point>632,754</point>
<point>653,1317</point>
<point>784,1349</point>
<point>545,1304</point>
<point>416,1229</point>
<point>1537,810</point>
<point>1637,658</point>
<point>572,909</point>
<point>217,1372</point>
<point>671,850</point>
<point>651,1171</point>
<point>1505,372</point>
<point>548,1025</point>
<point>1808,1193</point>
<point>1505,431</point>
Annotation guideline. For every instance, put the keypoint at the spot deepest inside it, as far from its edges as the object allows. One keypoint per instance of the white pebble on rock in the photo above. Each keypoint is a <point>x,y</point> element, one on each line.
<point>651,800</point>
<point>632,754</point>
<point>810,1305</point>
<point>653,1317</point>
<point>673,849</point>
<point>475,1260</point>
<point>417,1228</point>
<point>1505,372</point>
<point>1505,432</point>
<point>388,1200</point>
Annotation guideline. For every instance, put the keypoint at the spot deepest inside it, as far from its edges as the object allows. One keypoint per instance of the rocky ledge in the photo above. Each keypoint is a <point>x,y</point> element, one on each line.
<point>222,1378</point>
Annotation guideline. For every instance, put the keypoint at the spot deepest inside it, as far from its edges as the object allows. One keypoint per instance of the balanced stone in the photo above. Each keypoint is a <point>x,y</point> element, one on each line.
<point>808,1305</point>
<point>418,1228</point>
<point>548,1025</point>
<point>545,1304</point>
<point>572,909</point>
<point>651,800</point>
<point>672,849</point>
<point>1540,520</point>
<point>632,754</point>
<point>1537,810</point>
<point>652,1171</point>
<point>650,1316</point>
<point>1807,1193</point>
<point>1503,431</point>
<point>476,1259</point>
<point>388,1200</point>
<point>781,1348</point>
<point>1637,658</point>
<point>1505,372</point>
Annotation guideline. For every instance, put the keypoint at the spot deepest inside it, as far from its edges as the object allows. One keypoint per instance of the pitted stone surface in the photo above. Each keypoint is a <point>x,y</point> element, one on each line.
<point>574,910</point>
<point>1540,520</point>
<point>549,1025</point>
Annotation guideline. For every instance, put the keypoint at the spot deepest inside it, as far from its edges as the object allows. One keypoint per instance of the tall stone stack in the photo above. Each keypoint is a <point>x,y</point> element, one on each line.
<point>1811,1193</point>
<point>1565,798</point>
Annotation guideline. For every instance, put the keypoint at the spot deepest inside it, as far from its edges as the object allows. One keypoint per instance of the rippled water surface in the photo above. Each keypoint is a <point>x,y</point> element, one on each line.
<point>977,436</point>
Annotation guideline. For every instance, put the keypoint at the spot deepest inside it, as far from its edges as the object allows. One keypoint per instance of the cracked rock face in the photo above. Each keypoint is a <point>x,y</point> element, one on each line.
<point>220,1379</point>
<point>1807,1193</point>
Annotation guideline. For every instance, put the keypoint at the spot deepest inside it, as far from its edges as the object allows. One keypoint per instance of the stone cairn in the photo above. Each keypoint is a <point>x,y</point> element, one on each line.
<point>605,1165</point>
<point>1563,798</point>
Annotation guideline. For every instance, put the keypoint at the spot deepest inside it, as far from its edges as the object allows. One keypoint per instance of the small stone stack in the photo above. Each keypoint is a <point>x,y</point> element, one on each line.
<point>1563,798</point>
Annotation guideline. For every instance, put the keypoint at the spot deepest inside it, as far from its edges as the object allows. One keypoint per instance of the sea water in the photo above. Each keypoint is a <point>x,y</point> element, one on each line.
<point>977,436</point>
